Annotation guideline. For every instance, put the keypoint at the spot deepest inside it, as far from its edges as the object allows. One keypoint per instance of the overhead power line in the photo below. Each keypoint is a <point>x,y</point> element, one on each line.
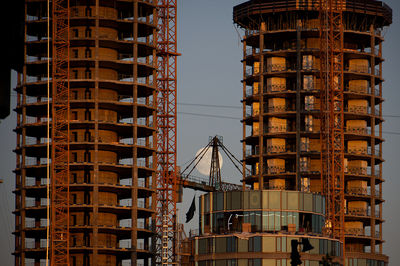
<point>211,105</point>
<point>236,118</point>
<point>209,115</point>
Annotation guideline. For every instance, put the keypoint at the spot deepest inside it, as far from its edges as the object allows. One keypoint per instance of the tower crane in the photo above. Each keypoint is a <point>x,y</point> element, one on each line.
<point>332,116</point>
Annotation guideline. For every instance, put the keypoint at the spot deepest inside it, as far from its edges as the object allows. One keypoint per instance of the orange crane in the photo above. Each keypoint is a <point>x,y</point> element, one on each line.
<point>166,249</point>
<point>59,199</point>
<point>332,116</point>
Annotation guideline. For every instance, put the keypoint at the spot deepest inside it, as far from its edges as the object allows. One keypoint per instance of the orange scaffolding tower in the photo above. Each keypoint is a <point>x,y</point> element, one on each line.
<point>167,130</point>
<point>332,116</point>
<point>59,225</point>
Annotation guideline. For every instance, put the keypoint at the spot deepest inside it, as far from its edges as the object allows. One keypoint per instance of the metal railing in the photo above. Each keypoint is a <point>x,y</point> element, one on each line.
<point>358,130</point>
<point>276,88</point>
<point>359,69</point>
<point>357,211</point>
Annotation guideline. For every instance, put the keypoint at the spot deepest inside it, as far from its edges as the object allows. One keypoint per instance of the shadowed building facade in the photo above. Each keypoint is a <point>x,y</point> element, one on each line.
<point>112,154</point>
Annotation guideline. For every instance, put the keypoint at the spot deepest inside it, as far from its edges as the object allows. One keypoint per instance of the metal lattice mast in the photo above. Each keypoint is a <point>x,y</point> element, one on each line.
<point>59,225</point>
<point>332,116</point>
<point>215,170</point>
<point>167,127</point>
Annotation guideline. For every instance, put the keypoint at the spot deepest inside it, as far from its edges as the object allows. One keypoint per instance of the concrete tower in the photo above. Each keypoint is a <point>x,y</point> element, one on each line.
<point>112,135</point>
<point>282,141</point>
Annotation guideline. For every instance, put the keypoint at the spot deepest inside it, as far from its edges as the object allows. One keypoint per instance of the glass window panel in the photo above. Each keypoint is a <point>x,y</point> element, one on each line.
<point>308,202</point>
<point>246,199</point>
<point>243,245</point>
<point>301,201</point>
<point>257,244</point>
<point>265,199</point>
<point>314,223</point>
<point>220,245</point>
<point>296,220</point>
<point>284,240</point>
<point>255,201</point>
<point>246,217</point>
<point>278,243</point>
<point>228,196</point>
<point>243,262</point>
<point>284,220</point>
<point>268,262</point>
<point>257,224</point>
<point>271,218</point>
<point>274,200</point>
<point>277,221</point>
<point>220,201</point>
<point>284,200</point>
<point>214,200</point>
<point>252,216</point>
<point>236,200</point>
<point>202,246</point>
<point>293,200</point>
<point>206,203</point>
<point>265,221</point>
<point>268,244</point>
<point>330,248</point>
<point>231,244</point>
<point>315,243</point>
<point>290,218</point>
<point>210,245</point>
<point>318,204</point>
<point>284,261</point>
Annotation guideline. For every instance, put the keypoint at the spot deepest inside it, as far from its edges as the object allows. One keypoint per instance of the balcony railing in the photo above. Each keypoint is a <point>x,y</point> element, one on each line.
<point>357,211</point>
<point>276,67</point>
<point>358,130</point>
<point>278,109</point>
<point>358,191</point>
<point>354,231</point>
<point>276,88</point>
<point>358,69</point>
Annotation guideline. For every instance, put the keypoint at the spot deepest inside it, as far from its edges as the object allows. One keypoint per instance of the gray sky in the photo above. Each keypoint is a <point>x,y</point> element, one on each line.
<point>209,72</point>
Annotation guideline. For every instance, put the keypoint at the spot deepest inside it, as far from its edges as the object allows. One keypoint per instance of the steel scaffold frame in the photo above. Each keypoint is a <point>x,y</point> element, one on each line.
<point>60,134</point>
<point>167,130</point>
<point>332,116</point>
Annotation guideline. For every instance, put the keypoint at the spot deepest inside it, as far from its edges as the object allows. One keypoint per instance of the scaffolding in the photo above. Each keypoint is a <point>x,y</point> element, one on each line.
<point>332,116</point>
<point>59,222</point>
<point>167,133</point>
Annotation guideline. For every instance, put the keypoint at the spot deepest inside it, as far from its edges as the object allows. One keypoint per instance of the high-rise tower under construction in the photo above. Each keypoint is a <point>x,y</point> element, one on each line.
<point>285,160</point>
<point>112,72</point>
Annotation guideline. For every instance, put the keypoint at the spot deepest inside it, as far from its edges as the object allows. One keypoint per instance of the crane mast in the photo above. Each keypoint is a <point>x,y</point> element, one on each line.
<point>332,116</point>
<point>167,136</point>
<point>59,221</point>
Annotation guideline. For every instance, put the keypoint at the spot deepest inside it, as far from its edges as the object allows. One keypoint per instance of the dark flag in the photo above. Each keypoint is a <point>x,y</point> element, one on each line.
<point>192,209</point>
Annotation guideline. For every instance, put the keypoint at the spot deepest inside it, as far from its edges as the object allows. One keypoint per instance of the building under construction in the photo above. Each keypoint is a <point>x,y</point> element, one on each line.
<point>111,134</point>
<point>96,183</point>
<point>312,115</point>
